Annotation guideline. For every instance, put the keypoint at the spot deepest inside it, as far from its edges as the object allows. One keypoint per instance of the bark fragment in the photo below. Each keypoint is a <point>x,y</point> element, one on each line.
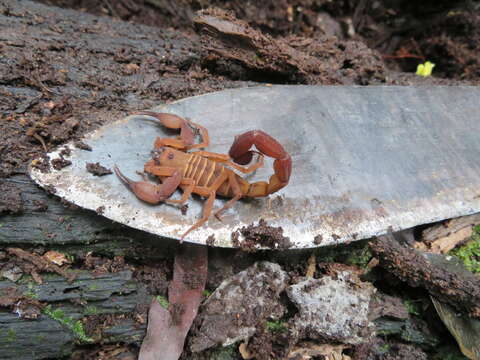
<point>461,290</point>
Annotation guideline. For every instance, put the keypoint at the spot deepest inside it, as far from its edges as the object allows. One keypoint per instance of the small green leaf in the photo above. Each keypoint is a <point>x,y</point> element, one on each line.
<point>425,69</point>
<point>276,326</point>
<point>163,301</point>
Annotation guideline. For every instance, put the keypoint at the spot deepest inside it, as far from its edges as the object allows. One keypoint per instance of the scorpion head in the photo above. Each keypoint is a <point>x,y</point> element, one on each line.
<point>167,156</point>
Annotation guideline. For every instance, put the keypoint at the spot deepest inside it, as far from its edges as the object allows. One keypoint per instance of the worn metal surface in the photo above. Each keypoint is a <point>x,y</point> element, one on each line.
<point>364,159</point>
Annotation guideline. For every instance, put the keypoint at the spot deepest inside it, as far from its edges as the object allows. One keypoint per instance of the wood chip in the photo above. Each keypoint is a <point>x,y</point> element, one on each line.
<point>447,243</point>
<point>41,264</point>
<point>449,227</point>
<point>310,350</point>
<point>246,355</point>
<point>56,257</point>
<point>312,265</point>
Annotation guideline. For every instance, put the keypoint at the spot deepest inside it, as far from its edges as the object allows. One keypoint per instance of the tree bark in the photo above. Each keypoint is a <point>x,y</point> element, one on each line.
<point>444,280</point>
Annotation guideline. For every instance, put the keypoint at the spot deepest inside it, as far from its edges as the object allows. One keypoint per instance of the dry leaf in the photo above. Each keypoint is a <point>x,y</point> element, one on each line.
<point>312,265</point>
<point>56,257</point>
<point>246,355</point>
<point>168,328</point>
<point>309,350</point>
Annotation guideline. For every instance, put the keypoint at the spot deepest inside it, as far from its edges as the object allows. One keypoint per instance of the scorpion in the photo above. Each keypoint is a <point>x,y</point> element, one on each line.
<point>206,173</point>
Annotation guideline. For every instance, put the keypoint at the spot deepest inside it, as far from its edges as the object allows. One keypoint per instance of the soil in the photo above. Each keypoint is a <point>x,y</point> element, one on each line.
<point>81,145</point>
<point>10,198</point>
<point>53,91</point>
<point>60,163</point>
<point>263,235</point>
<point>98,170</point>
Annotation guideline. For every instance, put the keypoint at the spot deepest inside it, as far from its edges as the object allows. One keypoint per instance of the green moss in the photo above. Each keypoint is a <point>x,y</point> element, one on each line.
<point>412,307</point>
<point>11,335</point>
<point>206,293</point>
<point>26,279</point>
<point>30,293</point>
<point>223,353</point>
<point>361,257</point>
<point>276,326</point>
<point>93,287</point>
<point>163,301</point>
<point>90,310</point>
<point>469,253</point>
<point>357,253</point>
<point>384,348</point>
<point>75,326</point>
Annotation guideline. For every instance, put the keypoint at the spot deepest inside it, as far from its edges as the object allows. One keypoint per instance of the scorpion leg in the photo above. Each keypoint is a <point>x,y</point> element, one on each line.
<point>187,135</point>
<point>189,185</point>
<point>240,153</point>
<point>209,193</point>
<point>237,195</point>
<point>149,192</point>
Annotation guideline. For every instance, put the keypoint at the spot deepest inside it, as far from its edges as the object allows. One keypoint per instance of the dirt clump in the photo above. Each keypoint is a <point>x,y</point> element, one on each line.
<point>211,240</point>
<point>10,198</point>
<point>261,234</point>
<point>98,170</point>
<point>154,277</point>
<point>82,146</point>
<point>239,304</point>
<point>103,265</point>
<point>33,263</point>
<point>333,309</point>
<point>59,163</point>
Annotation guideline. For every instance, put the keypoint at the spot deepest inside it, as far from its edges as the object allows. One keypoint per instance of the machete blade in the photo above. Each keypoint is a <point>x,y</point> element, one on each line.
<point>365,159</point>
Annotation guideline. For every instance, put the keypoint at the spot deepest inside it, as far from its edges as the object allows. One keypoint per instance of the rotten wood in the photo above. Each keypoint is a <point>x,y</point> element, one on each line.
<point>47,220</point>
<point>249,53</point>
<point>41,263</point>
<point>461,291</point>
<point>449,227</point>
<point>108,306</point>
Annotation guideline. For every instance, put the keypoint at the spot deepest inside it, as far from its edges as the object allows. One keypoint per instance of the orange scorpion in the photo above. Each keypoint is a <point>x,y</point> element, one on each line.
<point>206,173</point>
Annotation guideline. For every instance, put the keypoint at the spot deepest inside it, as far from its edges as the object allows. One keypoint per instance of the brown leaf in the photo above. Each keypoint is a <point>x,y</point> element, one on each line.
<point>167,328</point>
<point>56,257</point>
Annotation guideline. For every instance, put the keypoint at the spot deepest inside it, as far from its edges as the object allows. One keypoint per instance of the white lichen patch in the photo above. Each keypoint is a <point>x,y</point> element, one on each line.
<point>334,309</point>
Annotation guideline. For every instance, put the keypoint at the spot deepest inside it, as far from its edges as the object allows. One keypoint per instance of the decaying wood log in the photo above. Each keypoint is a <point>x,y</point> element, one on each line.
<point>460,290</point>
<point>448,227</point>
<point>46,220</point>
<point>109,307</point>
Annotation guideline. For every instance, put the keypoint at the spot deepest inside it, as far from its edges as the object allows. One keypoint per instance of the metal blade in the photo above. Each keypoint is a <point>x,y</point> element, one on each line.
<point>365,159</point>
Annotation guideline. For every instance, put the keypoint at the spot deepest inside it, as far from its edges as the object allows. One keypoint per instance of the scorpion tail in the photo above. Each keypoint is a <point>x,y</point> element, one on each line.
<point>240,153</point>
